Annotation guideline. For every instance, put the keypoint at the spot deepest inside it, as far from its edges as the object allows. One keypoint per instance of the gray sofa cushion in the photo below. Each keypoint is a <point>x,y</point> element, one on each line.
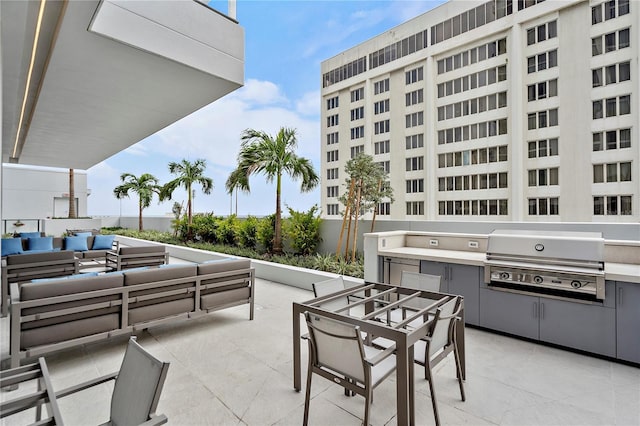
<point>161,310</point>
<point>39,290</point>
<point>20,259</point>
<point>142,250</point>
<point>213,300</point>
<point>68,330</point>
<point>223,265</point>
<point>159,274</point>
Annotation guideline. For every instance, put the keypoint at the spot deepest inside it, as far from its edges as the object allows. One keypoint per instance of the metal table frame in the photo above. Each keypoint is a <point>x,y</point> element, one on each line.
<point>43,395</point>
<point>377,303</point>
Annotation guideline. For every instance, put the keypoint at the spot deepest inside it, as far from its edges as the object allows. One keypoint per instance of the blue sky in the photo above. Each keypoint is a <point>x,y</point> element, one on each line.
<point>285,42</point>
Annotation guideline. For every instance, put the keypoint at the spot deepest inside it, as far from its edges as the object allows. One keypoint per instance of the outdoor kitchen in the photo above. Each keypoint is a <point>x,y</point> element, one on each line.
<point>576,290</point>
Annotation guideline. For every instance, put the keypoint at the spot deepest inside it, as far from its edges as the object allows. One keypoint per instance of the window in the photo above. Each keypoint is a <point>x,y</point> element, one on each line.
<point>598,173</point>
<point>625,104</point>
<point>332,138</point>
<point>414,119</point>
<point>381,86</point>
<point>544,206</point>
<point>415,186</point>
<point>357,150</point>
<point>332,103</point>
<point>381,106</point>
<point>332,191</point>
<point>542,61</point>
<point>623,7</point>
<point>415,141</point>
<point>415,208</point>
<point>385,165</point>
<point>332,120</point>
<point>624,71</point>
<point>381,127</point>
<point>413,98</point>
<point>531,36</point>
<point>597,109</point>
<point>611,107</point>
<point>332,174</point>
<point>357,94</point>
<point>384,209</point>
<point>596,14</point>
<point>414,163</point>
<point>333,209</point>
<point>623,38</point>
<point>625,138</point>
<point>381,147</point>
<point>414,75</point>
<point>609,205</point>
<point>596,77</point>
<point>612,172</point>
<point>357,113</point>
<point>596,46</point>
<point>332,156</point>
<point>609,42</point>
<point>357,132</point>
<point>612,140</point>
<point>625,172</point>
<point>610,10</point>
<point>597,141</point>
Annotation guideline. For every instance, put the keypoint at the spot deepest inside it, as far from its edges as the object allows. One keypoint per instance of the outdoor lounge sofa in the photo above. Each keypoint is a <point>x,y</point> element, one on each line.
<point>135,257</point>
<point>56,314</point>
<point>20,268</point>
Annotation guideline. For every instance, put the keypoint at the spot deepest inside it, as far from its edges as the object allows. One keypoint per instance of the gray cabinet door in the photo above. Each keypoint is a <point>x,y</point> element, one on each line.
<point>628,321</point>
<point>508,312</point>
<point>465,280</point>
<point>436,268</point>
<point>581,326</point>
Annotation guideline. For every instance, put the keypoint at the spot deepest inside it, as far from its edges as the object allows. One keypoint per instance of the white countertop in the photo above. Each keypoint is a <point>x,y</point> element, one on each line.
<point>613,271</point>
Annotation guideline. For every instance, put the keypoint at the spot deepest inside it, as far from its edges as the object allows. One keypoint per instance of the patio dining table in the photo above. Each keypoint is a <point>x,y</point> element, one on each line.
<point>378,300</point>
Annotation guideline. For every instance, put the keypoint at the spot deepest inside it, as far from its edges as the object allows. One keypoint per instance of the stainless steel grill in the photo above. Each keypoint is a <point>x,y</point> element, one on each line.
<point>562,264</point>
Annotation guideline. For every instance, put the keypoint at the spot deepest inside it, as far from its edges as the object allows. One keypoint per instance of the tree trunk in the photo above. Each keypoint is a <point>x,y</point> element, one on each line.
<point>140,214</point>
<point>355,226</point>
<point>72,196</point>
<point>277,239</point>
<point>377,206</point>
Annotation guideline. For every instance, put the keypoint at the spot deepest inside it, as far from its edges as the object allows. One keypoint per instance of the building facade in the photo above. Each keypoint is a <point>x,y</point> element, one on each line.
<point>500,110</point>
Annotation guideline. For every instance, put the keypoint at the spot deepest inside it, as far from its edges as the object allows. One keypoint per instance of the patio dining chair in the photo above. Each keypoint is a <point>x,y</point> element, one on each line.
<point>438,344</point>
<point>337,353</point>
<point>137,388</point>
<point>333,285</point>
<point>418,281</point>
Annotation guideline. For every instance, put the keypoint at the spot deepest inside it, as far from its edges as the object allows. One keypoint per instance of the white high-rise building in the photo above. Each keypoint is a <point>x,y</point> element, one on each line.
<point>499,110</point>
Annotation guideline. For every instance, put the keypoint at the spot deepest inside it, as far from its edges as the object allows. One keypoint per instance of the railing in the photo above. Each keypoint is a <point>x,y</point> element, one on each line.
<point>231,9</point>
<point>20,225</point>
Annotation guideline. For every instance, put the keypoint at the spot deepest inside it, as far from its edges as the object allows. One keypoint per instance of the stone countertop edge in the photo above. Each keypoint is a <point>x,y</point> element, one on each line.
<point>613,271</point>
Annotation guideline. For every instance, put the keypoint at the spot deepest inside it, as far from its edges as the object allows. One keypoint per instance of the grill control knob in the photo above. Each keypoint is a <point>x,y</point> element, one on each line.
<point>538,279</point>
<point>504,275</point>
<point>576,284</point>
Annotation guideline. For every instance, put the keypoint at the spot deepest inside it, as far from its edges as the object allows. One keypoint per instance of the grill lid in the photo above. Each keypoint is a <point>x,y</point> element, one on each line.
<point>562,247</point>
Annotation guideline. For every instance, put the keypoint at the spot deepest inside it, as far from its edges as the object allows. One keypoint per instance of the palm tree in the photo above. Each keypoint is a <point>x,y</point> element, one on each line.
<point>145,186</point>
<point>272,156</point>
<point>188,174</point>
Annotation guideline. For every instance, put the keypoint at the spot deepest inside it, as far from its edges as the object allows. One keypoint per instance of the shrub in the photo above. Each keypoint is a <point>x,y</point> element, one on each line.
<point>248,232</point>
<point>204,227</point>
<point>303,230</point>
<point>267,232</point>
<point>226,230</point>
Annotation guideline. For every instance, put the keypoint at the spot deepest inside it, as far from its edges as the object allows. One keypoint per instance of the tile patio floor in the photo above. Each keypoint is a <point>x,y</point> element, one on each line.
<point>227,370</point>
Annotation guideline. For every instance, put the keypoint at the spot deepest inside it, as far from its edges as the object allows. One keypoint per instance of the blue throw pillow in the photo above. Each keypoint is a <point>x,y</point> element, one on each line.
<point>82,234</point>
<point>41,243</point>
<point>103,242</point>
<point>76,243</point>
<point>11,246</point>
<point>30,235</point>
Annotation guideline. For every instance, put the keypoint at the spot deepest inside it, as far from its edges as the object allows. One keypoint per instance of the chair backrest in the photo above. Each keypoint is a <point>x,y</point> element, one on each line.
<point>138,386</point>
<point>441,332</point>
<point>333,285</point>
<point>420,281</point>
<point>336,345</point>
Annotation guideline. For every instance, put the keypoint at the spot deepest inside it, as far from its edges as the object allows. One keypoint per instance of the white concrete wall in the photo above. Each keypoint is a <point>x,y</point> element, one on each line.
<point>31,193</point>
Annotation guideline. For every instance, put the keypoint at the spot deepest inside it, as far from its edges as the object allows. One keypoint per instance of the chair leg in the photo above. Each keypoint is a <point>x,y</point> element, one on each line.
<point>367,405</point>
<point>307,397</point>
<point>432,388</point>
<point>459,372</point>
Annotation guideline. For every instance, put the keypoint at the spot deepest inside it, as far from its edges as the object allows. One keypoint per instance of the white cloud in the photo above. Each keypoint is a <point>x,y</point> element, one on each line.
<point>309,103</point>
<point>260,93</point>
